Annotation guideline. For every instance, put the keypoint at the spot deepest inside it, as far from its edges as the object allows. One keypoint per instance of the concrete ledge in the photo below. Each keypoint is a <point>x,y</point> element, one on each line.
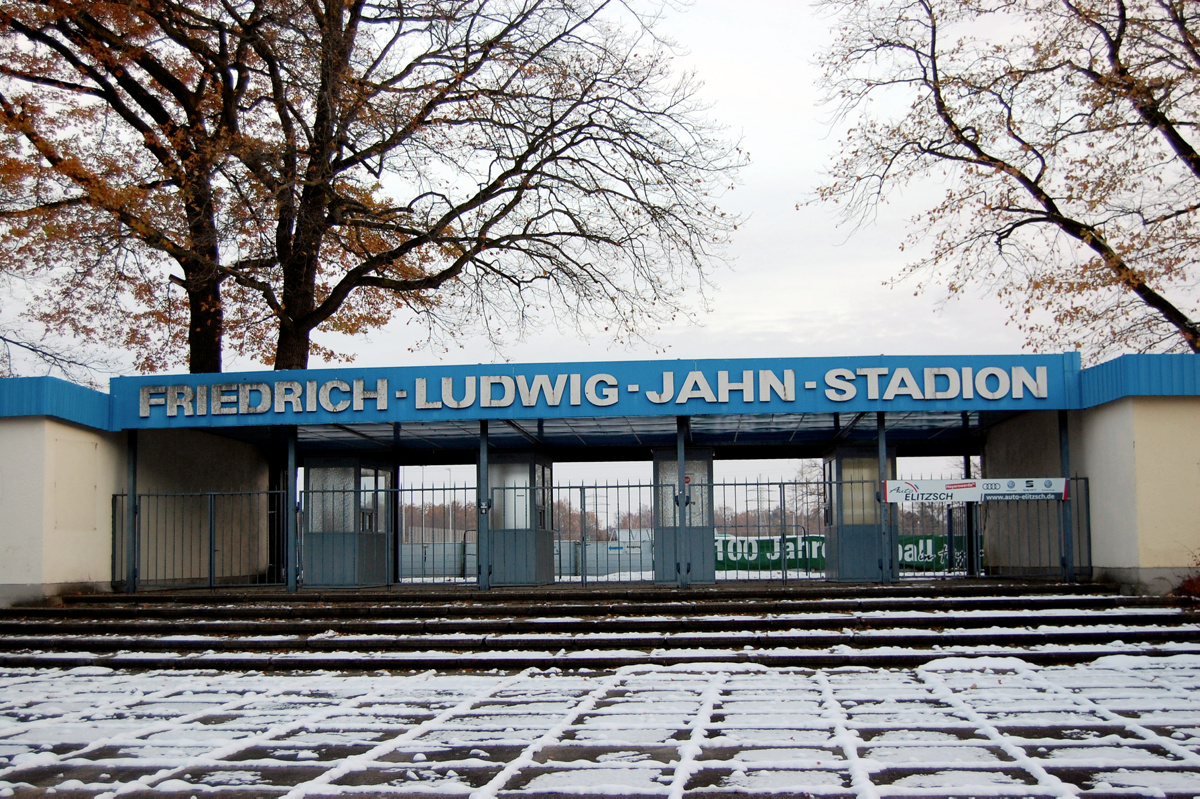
<point>1155,582</point>
<point>39,593</point>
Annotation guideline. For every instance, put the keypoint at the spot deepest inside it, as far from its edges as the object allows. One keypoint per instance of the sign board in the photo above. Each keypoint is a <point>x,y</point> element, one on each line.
<point>976,490</point>
<point>632,388</point>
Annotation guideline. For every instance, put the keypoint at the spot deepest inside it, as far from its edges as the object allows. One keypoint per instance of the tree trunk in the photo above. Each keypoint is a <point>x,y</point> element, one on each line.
<point>205,328</point>
<point>292,350</point>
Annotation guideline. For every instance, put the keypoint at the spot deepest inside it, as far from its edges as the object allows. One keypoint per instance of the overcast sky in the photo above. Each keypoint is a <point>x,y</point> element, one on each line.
<point>799,286</point>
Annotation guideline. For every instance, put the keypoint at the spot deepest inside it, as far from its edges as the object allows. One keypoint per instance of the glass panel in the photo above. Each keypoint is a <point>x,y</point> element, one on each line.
<point>860,477</point>
<point>331,499</point>
<point>698,474</point>
<point>373,505</point>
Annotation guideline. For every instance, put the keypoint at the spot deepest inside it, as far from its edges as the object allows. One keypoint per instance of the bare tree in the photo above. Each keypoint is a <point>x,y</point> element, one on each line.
<point>243,173</point>
<point>1065,134</point>
<point>27,349</point>
<point>48,358</point>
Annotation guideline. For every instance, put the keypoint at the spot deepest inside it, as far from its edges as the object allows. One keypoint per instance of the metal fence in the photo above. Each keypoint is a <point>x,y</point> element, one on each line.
<point>438,534</point>
<point>369,536</point>
<point>604,533</point>
<point>200,540</point>
<point>1039,539</point>
<point>375,536</point>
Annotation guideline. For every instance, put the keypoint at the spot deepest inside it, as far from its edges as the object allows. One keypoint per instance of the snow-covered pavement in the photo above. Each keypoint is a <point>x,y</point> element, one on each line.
<point>1116,726</point>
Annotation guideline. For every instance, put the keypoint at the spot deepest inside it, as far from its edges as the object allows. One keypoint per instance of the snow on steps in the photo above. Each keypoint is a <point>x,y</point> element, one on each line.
<point>810,625</point>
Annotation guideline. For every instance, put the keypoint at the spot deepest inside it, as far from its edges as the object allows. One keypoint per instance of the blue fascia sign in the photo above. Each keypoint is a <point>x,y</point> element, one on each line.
<point>632,388</point>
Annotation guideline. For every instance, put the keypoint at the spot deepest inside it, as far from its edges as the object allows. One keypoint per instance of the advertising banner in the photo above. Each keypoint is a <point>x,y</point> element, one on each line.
<point>966,490</point>
<point>737,553</point>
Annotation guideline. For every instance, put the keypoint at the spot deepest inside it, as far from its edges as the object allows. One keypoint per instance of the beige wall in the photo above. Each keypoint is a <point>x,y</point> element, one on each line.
<point>56,484</point>
<point>1106,456</point>
<point>1142,455</point>
<point>22,502</point>
<point>1167,452</point>
<point>84,469</point>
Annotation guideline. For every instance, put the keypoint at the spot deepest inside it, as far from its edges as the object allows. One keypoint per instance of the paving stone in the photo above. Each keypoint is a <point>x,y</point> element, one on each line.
<point>960,727</point>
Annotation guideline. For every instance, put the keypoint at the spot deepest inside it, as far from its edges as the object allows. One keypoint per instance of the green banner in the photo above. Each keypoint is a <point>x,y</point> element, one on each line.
<point>917,552</point>
<point>739,554</point>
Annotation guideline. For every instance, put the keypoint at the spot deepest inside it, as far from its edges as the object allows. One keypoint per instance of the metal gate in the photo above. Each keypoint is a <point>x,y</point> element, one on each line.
<point>199,540</point>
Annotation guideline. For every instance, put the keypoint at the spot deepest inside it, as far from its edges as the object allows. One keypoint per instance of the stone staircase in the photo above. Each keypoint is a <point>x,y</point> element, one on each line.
<point>807,625</point>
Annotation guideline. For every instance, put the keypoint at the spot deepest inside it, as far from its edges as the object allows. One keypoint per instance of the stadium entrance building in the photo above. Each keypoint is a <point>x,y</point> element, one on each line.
<point>292,478</point>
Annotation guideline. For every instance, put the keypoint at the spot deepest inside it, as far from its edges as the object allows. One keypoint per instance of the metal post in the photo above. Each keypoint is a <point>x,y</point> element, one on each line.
<point>783,530</point>
<point>392,524</point>
<point>212,540</point>
<point>484,499</point>
<point>682,499</point>
<point>1068,527</point>
<point>291,504</point>
<point>887,546</point>
<point>972,531</point>
<point>131,513</point>
<point>583,536</point>
<point>949,539</point>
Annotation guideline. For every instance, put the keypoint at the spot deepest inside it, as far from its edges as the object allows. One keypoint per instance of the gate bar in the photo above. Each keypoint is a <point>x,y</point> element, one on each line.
<point>972,530</point>
<point>212,540</point>
<point>681,498</point>
<point>291,510</point>
<point>131,513</point>
<point>783,560</point>
<point>887,545</point>
<point>483,545</point>
<point>1068,528</point>
<point>582,533</point>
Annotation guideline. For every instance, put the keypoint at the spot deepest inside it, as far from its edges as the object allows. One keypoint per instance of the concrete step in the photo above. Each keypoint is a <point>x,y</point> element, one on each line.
<point>605,592</point>
<point>882,657</point>
<point>578,605</point>
<point>726,639</point>
<point>899,625</point>
<point>497,622</point>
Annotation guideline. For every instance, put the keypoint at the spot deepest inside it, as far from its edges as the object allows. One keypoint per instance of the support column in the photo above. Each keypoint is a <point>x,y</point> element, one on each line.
<point>886,544</point>
<point>783,558</point>
<point>972,533</point>
<point>484,500</point>
<point>583,575</point>
<point>682,497</point>
<point>1068,526</point>
<point>131,513</point>
<point>291,536</point>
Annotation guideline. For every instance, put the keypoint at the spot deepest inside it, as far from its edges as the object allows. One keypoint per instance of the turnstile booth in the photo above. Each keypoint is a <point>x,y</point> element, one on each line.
<point>347,522</point>
<point>521,523</point>
<point>684,532</point>
<point>860,543</point>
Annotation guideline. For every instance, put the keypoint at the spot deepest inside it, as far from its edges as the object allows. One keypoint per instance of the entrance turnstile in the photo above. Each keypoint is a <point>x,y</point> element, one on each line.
<point>859,547</point>
<point>348,523</point>
<point>521,520</point>
<point>684,533</point>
